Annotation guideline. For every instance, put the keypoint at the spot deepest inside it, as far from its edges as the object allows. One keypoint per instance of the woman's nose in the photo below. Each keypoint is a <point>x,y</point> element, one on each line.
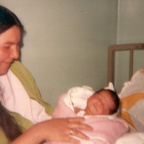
<point>15,52</point>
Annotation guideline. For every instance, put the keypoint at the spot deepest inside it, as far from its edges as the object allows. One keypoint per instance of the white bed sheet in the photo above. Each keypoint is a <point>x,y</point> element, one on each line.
<point>131,138</point>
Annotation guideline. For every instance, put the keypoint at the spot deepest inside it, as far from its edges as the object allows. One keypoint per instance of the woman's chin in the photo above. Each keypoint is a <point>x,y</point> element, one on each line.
<point>3,72</point>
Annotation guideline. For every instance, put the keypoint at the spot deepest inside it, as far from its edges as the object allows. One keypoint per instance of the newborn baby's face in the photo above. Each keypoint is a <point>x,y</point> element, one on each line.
<point>99,104</point>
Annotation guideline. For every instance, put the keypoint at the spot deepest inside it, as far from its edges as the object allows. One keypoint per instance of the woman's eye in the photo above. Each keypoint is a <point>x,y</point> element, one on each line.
<point>7,47</point>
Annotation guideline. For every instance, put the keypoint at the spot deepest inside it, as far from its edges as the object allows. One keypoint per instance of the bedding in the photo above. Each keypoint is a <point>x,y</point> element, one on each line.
<point>132,104</point>
<point>132,101</point>
<point>131,138</point>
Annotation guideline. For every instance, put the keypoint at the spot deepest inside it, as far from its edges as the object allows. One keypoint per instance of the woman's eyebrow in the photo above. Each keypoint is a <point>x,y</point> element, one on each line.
<point>11,43</point>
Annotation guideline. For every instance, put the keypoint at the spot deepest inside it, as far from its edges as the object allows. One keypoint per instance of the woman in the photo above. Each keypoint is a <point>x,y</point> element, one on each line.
<point>21,104</point>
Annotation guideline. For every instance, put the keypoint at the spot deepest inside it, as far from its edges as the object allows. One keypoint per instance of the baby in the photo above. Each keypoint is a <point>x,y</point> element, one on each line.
<point>102,102</point>
<point>99,109</point>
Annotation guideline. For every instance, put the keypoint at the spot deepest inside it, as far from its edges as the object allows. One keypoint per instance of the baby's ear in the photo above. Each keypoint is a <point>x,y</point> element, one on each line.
<point>110,86</point>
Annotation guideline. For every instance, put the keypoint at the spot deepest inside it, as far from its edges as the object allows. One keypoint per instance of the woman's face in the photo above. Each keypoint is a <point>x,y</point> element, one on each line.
<point>9,48</point>
<point>100,104</point>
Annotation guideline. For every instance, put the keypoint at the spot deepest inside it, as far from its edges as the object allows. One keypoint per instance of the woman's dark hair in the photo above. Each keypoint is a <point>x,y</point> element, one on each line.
<point>115,98</point>
<point>9,19</point>
<point>8,124</point>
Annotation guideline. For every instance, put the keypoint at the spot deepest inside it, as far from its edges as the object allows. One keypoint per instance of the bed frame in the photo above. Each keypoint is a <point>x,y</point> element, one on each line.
<point>111,58</point>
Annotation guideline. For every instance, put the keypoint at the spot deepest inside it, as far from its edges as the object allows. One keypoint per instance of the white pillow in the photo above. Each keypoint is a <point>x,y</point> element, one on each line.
<point>131,138</point>
<point>132,101</point>
<point>135,85</point>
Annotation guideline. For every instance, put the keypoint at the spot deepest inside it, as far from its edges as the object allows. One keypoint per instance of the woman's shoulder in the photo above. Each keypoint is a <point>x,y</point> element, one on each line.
<point>21,71</point>
<point>3,138</point>
<point>17,66</point>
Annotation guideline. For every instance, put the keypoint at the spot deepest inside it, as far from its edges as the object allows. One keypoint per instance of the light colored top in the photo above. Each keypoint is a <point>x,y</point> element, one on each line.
<point>16,99</point>
<point>26,79</point>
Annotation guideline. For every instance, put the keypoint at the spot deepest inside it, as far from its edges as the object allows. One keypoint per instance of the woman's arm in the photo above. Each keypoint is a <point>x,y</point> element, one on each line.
<point>54,130</point>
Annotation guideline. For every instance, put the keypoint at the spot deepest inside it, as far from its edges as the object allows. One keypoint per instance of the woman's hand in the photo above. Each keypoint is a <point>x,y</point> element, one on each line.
<point>54,130</point>
<point>62,129</point>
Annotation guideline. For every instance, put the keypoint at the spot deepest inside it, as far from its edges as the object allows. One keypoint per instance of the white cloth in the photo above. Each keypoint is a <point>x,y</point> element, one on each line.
<point>77,97</point>
<point>131,138</point>
<point>16,99</point>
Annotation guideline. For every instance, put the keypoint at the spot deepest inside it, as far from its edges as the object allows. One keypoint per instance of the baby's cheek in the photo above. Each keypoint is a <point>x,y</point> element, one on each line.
<point>105,111</point>
<point>101,110</point>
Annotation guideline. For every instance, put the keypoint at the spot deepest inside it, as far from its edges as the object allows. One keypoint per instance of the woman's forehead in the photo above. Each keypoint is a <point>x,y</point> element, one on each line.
<point>13,34</point>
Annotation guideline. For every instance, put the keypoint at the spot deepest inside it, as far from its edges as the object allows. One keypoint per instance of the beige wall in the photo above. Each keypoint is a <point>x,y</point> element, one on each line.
<point>130,30</point>
<point>66,42</point>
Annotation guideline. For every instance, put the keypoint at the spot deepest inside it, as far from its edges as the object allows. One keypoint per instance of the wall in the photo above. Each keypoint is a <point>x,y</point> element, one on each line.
<point>66,42</point>
<point>131,21</point>
<point>130,30</point>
